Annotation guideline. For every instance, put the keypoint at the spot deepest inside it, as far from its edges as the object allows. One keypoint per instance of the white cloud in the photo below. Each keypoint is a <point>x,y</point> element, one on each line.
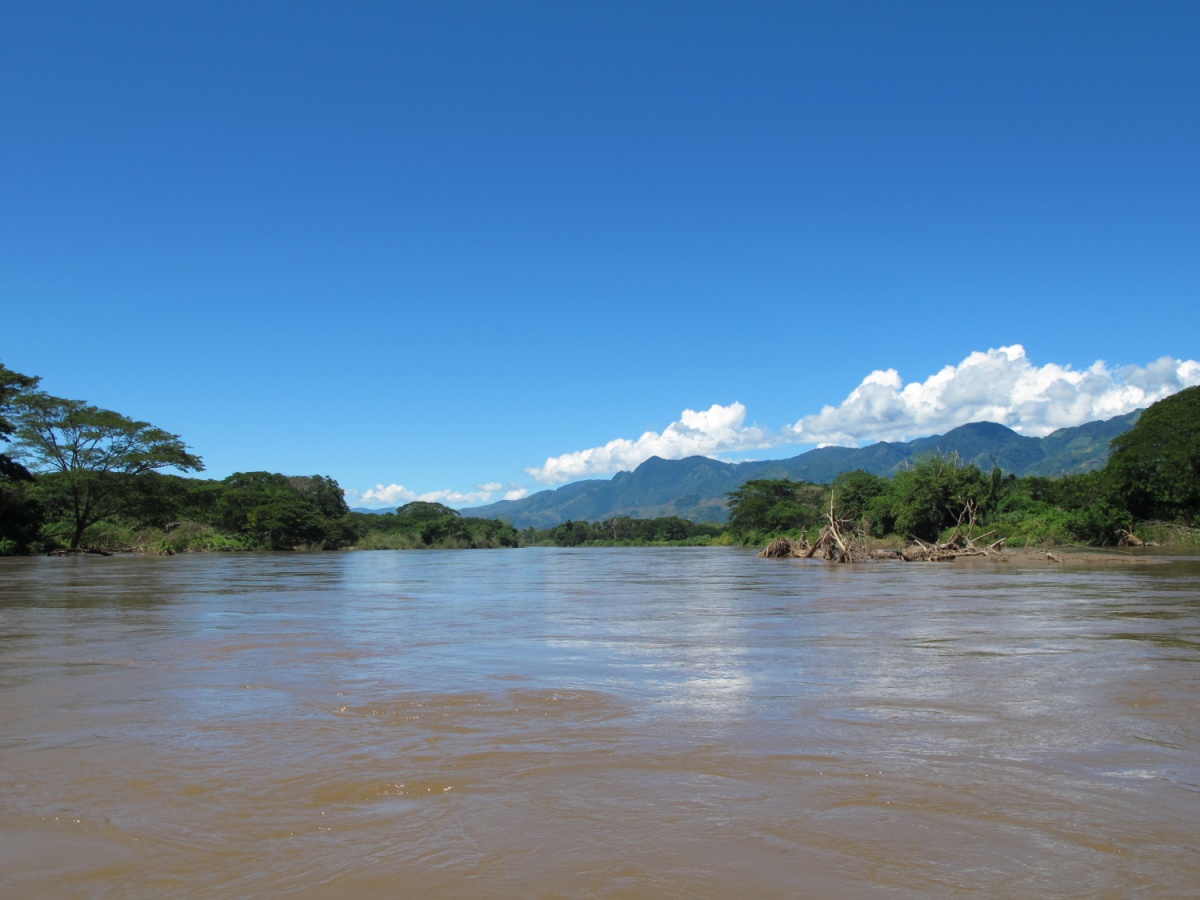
<point>398,494</point>
<point>997,386</point>
<point>718,429</point>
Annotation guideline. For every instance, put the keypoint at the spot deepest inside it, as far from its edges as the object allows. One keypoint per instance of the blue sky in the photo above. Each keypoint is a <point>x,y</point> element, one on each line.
<point>429,247</point>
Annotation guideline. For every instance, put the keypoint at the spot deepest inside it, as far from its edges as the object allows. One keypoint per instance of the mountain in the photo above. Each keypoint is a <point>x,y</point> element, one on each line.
<point>1080,449</point>
<point>695,488</point>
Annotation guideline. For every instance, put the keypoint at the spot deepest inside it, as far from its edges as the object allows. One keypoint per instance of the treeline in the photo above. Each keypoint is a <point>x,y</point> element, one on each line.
<point>153,512</point>
<point>419,525</point>
<point>933,495</point>
<point>622,531</point>
<point>74,476</point>
<point>1151,483</point>
<point>161,514</point>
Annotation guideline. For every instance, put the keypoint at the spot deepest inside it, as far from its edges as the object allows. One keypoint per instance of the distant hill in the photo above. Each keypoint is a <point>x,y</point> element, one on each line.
<point>695,488</point>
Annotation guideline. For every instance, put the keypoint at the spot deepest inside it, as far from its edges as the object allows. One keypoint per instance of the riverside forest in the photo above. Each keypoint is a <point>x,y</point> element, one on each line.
<point>76,478</point>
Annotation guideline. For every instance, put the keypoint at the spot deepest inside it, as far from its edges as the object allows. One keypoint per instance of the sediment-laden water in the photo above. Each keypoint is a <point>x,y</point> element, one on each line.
<point>596,723</point>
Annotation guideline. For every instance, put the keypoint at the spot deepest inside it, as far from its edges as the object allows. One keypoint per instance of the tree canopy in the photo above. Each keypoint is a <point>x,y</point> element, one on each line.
<point>771,505</point>
<point>1154,468</point>
<point>92,451</point>
<point>20,513</point>
<point>12,384</point>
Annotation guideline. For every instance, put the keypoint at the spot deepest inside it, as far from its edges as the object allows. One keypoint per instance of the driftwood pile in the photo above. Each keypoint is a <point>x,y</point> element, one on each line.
<point>842,541</point>
<point>1126,538</point>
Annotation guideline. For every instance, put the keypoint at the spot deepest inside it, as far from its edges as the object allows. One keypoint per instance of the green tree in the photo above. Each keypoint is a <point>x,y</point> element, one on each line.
<point>928,496</point>
<point>571,534</point>
<point>12,384</point>
<point>1154,468</point>
<point>21,515</point>
<point>423,510</point>
<point>277,512</point>
<point>773,505</point>
<point>854,491</point>
<point>95,452</point>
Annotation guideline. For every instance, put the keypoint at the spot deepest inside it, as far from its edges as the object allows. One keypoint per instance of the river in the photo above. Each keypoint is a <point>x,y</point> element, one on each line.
<point>596,723</point>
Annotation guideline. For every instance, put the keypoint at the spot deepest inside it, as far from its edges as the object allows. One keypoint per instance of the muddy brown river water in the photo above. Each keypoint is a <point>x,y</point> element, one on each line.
<point>596,723</point>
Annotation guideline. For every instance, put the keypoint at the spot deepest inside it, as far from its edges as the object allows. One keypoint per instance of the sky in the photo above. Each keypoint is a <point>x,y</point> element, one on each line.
<point>464,251</point>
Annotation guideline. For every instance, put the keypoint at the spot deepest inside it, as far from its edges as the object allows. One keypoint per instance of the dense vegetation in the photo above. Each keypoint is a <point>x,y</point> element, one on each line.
<point>76,476</point>
<point>697,488</point>
<point>419,525</point>
<point>622,531</point>
<point>1150,485</point>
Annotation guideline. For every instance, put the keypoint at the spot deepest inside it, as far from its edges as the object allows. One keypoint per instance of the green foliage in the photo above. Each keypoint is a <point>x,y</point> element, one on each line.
<point>622,531</point>
<point>12,385</point>
<point>274,512</point>
<point>1154,468</point>
<point>423,511</point>
<point>1048,526</point>
<point>1169,533</point>
<point>927,497</point>
<point>421,525</point>
<point>854,492</point>
<point>771,506</point>
<point>97,453</point>
<point>1048,511</point>
<point>21,515</point>
<point>189,537</point>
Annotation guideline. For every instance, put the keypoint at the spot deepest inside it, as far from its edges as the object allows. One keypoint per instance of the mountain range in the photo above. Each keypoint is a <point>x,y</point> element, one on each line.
<point>695,488</point>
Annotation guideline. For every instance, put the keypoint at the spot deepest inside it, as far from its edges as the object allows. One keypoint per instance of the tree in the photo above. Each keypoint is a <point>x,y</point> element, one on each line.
<point>278,512</point>
<point>928,496</point>
<point>95,452</point>
<point>20,513</point>
<point>767,505</point>
<point>421,510</point>
<point>12,385</point>
<point>854,491</point>
<point>1154,468</point>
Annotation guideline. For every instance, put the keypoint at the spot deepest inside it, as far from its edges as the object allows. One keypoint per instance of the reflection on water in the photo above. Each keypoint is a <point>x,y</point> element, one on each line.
<point>691,723</point>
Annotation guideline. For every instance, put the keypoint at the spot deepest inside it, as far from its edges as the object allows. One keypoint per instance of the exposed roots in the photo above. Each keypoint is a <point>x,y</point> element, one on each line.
<point>842,541</point>
<point>963,542</point>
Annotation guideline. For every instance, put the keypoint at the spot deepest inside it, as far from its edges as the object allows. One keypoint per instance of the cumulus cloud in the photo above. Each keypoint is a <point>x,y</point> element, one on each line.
<point>709,432</point>
<point>997,386</point>
<point>398,494</point>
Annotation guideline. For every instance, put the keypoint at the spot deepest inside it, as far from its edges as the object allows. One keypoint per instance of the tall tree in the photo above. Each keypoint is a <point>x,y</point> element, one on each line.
<point>1154,468</point>
<point>774,505</point>
<point>12,384</point>
<point>20,514</point>
<point>96,452</point>
<point>928,496</point>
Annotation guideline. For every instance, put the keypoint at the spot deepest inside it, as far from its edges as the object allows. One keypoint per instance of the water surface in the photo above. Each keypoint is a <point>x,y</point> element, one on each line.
<point>596,723</point>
